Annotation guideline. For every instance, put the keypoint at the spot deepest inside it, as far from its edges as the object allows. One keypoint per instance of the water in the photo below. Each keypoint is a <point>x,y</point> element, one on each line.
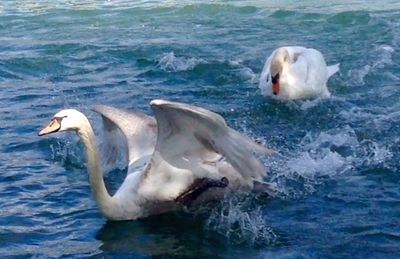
<point>337,172</point>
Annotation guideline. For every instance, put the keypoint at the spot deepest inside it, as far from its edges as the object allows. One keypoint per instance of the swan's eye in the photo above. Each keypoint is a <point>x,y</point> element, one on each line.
<point>59,119</point>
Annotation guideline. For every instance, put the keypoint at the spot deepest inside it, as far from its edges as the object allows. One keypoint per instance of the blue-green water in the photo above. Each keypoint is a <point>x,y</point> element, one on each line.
<point>338,169</point>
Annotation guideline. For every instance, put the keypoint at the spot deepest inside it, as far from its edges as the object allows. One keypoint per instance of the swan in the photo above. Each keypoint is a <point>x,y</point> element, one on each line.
<point>296,72</point>
<point>195,155</point>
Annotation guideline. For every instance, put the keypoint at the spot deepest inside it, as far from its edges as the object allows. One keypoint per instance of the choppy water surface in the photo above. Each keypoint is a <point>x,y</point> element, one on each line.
<point>338,169</point>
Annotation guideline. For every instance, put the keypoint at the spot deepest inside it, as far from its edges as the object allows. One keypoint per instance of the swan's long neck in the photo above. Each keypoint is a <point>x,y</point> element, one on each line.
<point>103,199</point>
<point>280,61</point>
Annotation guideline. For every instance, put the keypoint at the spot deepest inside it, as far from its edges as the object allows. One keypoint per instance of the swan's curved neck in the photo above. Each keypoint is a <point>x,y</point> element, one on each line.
<point>103,199</point>
<point>277,65</point>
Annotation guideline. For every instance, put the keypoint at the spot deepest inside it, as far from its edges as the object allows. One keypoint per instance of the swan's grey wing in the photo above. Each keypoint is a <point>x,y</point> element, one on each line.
<point>133,133</point>
<point>194,139</point>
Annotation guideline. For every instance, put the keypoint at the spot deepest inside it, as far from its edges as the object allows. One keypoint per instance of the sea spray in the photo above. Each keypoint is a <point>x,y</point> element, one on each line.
<point>241,221</point>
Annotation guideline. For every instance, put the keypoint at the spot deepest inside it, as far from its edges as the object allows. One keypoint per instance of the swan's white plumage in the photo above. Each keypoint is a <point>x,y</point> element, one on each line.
<point>191,143</point>
<point>303,74</point>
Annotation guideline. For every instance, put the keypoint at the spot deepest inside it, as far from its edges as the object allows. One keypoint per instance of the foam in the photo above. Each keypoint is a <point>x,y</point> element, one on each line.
<point>241,224</point>
<point>309,167</point>
<point>321,155</point>
<point>327,154</point>
<point>169,62</point>
<point>374,154</point>
<point>379,58</point>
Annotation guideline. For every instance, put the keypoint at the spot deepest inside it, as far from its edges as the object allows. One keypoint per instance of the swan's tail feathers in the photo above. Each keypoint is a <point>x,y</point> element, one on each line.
<point>332,69</point>
<point>265,187</point>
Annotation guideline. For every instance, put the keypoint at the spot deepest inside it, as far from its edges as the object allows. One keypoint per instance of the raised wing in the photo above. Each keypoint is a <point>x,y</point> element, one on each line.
<point>132,133</point>
<point>193,139</point>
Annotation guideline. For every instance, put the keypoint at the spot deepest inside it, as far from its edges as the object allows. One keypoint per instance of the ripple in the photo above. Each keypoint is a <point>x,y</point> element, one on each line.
<point>350,18</point>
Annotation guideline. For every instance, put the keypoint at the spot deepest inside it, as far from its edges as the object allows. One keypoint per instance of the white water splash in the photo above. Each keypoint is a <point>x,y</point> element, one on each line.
<point>374,154</point>
<point>310,165</point>
<point>380,57</point>
<point>244,72</point>
<point>247,74</point>
<point>333,153</point>
<point>239,224</point>
<point>328,154</point>
<point>171,63</point>
<point>309,104</point>
<point>337,137</point>
<point>69,152</point>
<point>378,119</point>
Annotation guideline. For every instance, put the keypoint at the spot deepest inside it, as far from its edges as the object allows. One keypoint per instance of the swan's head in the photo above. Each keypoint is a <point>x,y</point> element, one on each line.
<point>278,62</point>
<point>65,120</point>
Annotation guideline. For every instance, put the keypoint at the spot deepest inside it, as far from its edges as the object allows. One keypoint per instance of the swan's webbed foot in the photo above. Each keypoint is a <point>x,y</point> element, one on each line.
<point>198,187</point>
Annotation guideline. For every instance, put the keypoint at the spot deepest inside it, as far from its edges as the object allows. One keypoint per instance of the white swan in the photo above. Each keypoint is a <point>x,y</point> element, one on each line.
<point>192,144</point>
<point>296,73</point>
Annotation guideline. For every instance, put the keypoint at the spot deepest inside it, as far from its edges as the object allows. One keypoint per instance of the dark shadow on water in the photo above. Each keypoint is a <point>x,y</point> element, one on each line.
<point>173,234</point>
<point>214,230</point>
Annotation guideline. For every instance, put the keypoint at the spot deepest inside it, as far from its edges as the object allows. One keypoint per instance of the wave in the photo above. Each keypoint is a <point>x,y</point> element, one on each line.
<point>379,58</point>
<point>351,18</point>
<point>209,7</point>
<point>325,155</point>
<point>169,62</point>
<point>243,72</point>
<point>184,6</point>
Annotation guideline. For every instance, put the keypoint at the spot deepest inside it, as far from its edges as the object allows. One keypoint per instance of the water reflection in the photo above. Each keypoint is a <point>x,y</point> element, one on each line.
<point>170,234</point>
<point>234,225</point>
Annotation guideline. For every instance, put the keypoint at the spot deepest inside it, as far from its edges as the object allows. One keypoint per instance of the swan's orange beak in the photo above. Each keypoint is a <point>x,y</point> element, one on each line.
<point>276,88</point>
<point>53,126</point>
